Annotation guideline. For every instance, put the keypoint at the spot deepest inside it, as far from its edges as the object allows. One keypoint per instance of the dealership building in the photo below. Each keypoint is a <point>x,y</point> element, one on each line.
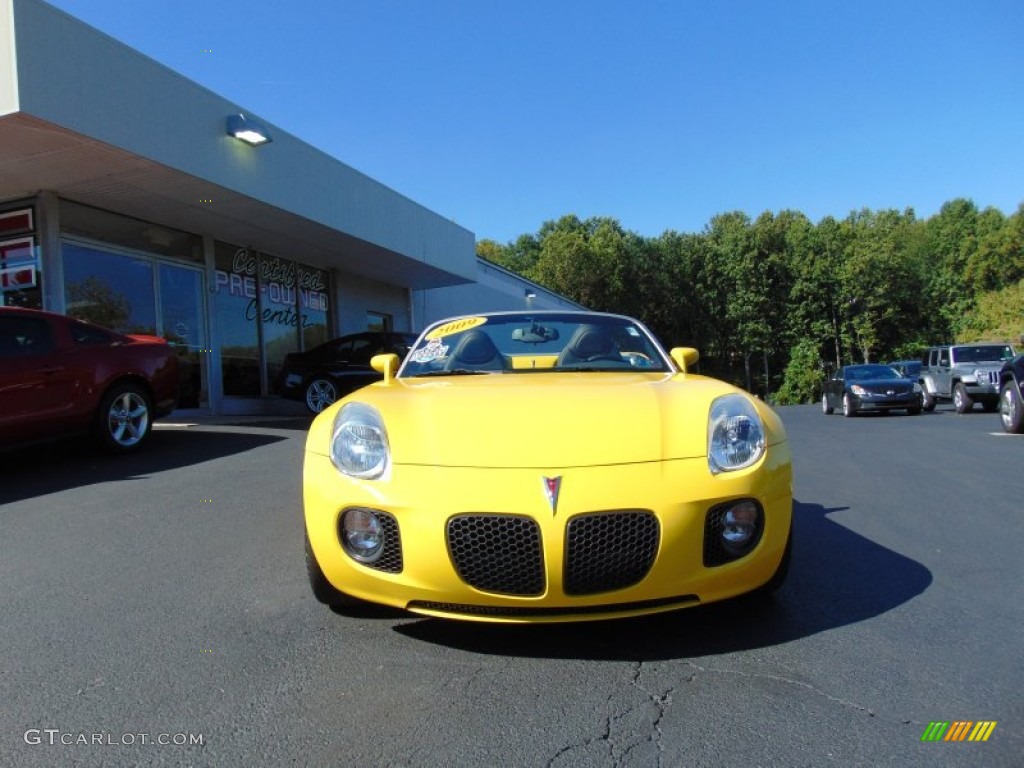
<point>138,199</point>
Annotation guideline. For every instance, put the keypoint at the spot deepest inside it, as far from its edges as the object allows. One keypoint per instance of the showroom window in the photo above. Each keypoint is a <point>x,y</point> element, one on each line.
<point>265,304</point>
<point>279,316</point>
<point>378,321</point>
<point>113,290</point>
<point>313,306</point>
<point>237,311</point>
<point>137,293</point>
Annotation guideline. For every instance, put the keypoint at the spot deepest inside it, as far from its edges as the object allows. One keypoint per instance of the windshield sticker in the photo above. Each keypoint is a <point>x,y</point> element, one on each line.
<point>455,326</point>
<point>632,331</point>
<point>434,350</point>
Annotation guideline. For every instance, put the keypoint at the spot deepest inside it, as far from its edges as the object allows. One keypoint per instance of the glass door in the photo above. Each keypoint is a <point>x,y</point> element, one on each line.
<point>183,324</point>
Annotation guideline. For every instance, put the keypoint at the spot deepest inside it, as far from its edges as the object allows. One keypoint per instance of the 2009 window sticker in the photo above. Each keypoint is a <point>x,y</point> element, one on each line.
<point>434,350</point>
<point>455,326</point>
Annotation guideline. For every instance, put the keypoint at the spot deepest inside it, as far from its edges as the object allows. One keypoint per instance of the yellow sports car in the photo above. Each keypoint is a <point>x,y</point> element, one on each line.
<point>545,466</point>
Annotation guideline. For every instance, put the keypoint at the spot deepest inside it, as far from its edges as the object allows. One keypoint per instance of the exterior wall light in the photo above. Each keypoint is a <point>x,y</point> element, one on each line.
<point>248,130</point>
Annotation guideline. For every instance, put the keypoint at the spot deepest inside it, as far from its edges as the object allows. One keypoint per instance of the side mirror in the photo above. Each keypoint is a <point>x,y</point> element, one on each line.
<point>385,364</point>
<point>685,357</point>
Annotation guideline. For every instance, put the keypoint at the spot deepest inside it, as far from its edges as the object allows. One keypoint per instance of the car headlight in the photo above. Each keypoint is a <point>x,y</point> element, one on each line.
<point>917,387</point>
<point>732,530</point>
<point>736,437</point>
<point>858,390</point>
<point>362,534</point>
<point>359,442</point>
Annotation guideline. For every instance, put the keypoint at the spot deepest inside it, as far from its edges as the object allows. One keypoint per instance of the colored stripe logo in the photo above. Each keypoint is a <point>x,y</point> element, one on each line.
<point>959,730</point>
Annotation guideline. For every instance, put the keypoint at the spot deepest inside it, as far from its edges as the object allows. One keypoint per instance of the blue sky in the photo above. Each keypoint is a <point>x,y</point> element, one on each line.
<point>502,114</point>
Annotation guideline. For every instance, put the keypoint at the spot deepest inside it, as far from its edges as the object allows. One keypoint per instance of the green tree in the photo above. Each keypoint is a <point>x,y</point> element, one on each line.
<point>491,250</point>
<point>579,260</point>
<point>804,375</point>
<point>817,311</point>
<point>880,285</point>
<point>997,261</point>
<point>950,241</point>
<point>999,317</point>
<point>684,319</point>
<point>95,301</point>
<point>785,291</point>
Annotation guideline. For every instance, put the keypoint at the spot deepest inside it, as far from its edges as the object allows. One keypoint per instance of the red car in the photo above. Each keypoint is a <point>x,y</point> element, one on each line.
<point>61,376</point>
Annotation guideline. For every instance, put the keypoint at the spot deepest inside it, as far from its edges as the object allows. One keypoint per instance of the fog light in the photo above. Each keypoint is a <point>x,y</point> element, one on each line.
<point>741,527</point>
<point>361,534</point>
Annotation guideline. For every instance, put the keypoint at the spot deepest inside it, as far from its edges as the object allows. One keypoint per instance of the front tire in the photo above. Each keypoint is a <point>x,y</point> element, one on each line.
<point>321,393</point>
<point>826,407</point>
<point>927,401</point>
<point>961,400</point>
<point>848,407</point>
<point>125,418</point>
<point>1011,409</point>
<point>323,590</point>
<point>764,593</point>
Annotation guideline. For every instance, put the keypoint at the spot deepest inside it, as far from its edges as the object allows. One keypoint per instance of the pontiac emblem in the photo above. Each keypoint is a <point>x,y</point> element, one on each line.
<point>551,487</point>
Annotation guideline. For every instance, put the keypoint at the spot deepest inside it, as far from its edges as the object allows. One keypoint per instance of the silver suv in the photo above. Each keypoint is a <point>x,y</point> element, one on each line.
<point>964,373</point>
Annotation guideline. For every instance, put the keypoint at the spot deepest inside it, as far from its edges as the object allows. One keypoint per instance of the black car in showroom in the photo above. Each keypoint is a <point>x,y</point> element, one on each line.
<point>321,375</point>
<point>1011,395</point>
<point>868,387</point>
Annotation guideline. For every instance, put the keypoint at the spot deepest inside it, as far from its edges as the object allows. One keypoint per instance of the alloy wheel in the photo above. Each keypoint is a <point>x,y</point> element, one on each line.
<point>320,394</point>
<point>128,419</point>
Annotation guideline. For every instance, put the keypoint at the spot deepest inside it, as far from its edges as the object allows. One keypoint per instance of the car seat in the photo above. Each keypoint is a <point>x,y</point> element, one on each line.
<point>588,343</point>
<point>475,351</point>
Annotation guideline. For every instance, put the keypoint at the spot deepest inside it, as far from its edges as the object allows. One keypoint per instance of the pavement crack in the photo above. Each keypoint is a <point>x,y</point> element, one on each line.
<point>782,679</point>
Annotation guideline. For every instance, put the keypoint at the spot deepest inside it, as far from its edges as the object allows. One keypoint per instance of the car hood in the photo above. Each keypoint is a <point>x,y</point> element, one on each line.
<point>882,383</point>
<point>543,420</point>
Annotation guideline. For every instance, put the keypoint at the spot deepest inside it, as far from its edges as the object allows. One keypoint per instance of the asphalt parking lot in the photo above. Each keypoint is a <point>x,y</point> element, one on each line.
<point>156,612</point>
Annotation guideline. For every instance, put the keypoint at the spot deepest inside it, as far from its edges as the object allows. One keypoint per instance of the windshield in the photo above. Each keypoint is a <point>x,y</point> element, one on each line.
<point>534,342</point>
<point>865,372</point>
<point>983,353</point>
<point>907,367</point>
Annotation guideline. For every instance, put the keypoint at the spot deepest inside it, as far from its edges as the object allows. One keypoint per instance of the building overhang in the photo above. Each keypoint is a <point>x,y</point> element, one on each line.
<point>96,122</point>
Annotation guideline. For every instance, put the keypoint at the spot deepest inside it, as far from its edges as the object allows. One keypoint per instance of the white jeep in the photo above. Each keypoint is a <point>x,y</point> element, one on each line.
<point>963,373</point>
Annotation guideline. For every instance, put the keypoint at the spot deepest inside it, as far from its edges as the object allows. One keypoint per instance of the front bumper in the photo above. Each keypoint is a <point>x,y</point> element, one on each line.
<point>888,402</point>
<point>422,500</point>
<point>982,391</point>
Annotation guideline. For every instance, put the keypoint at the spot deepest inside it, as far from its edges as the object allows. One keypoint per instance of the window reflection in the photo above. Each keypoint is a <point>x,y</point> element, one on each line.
<point>313,306</point>
<point>236,308</point>
<point>184,327</point>
<point>278,314</point>
<point>109,289</point>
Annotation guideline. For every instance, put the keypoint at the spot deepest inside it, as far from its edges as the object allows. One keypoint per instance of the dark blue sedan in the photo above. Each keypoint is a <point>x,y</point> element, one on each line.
<point>857,388</point>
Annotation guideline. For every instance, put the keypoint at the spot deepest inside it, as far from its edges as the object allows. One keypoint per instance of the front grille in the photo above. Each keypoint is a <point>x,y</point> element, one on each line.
<point>609,550</point>
<point>499,612</point>
<point>497,553</point>
<point>987,377</point>
<point>885,389</point>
